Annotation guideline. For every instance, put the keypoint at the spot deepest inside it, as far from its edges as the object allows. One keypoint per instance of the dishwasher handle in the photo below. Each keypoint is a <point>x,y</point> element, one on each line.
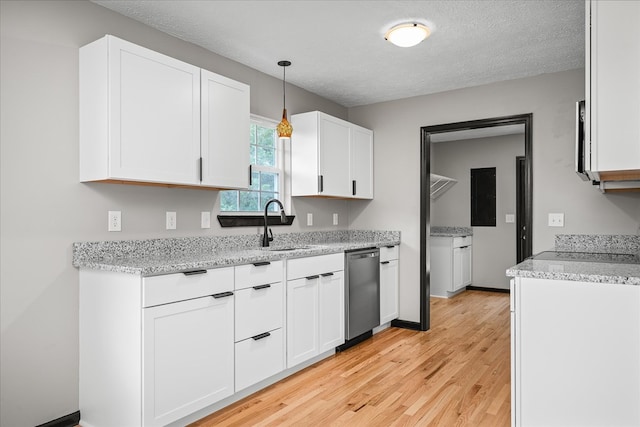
<point>365,255</point>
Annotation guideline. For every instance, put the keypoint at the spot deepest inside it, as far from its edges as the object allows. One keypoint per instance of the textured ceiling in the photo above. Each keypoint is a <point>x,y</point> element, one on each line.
<point>338,49</point>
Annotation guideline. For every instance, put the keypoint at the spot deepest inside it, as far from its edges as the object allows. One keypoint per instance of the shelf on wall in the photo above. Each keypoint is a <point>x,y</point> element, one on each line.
<point>440,184</point>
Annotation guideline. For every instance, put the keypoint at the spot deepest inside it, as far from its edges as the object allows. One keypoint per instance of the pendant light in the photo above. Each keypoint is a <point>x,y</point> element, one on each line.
<point>284,128</point>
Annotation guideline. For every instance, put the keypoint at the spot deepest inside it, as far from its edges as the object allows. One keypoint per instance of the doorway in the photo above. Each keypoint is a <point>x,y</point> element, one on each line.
<point>524,230</point>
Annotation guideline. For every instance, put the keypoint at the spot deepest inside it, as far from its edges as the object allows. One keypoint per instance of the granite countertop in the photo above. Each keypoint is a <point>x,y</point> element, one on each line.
<point>585,271</point>
<point>163,256</point>
<point>446,231</point>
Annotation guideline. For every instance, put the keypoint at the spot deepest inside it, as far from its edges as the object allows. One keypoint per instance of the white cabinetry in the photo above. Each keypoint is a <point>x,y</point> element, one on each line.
<point>330,157</point>
<point>451,264</point>
<point>153,350</point>
<point>315,306</point>
<point>141,119</point>
<point>259,349</point>
<point>388,284</point>
<point>575,348</point>
<point>613,89</point>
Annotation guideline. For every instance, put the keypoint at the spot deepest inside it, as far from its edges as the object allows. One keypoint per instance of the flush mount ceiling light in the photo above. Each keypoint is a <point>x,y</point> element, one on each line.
<point>407,35</point>
<point>284,128</point>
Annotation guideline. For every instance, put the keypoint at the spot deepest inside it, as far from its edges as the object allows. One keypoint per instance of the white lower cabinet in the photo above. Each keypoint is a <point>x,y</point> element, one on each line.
<point>388,284</point>
<point>187,357</point>
<point>451,264</point>
<point>315,306</point>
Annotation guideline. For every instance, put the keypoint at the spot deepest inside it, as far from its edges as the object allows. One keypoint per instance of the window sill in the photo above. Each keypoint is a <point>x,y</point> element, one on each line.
<point>252,220</point>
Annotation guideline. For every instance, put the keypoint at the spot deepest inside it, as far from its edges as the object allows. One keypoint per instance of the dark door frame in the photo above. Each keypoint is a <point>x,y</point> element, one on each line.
<point>520,202</point>
<point>425,200</point>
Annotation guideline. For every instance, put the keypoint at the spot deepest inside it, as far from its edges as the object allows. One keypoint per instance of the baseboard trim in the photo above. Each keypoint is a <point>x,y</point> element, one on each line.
<point>480,288</point>
<point>405,324</point>
<point>70,420</point>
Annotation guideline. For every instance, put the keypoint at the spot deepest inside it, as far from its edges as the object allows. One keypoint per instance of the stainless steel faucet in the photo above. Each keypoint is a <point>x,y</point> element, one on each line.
<point>283,218</point>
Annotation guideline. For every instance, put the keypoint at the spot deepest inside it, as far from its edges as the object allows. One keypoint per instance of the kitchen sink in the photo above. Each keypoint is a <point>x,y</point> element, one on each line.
<point>290,248</point>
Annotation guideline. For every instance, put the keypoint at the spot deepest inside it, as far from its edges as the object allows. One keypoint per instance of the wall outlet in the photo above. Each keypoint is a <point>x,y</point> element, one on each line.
<point>309,219</point>
<point>205,220</point>
<point>171,220</point>
<point>115,221</point>
<point>335,219</point>
<point>556,220</point>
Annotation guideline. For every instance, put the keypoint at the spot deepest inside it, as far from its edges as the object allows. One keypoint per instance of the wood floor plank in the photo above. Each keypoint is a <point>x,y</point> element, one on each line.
<point>456,374</point>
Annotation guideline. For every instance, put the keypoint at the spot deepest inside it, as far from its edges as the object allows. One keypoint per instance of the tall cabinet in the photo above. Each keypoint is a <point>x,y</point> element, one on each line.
<point>613,89</point>
<point>330,157</point>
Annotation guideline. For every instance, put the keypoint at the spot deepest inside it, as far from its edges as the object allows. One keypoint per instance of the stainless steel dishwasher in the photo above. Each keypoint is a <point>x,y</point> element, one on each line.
<point>362,294</point>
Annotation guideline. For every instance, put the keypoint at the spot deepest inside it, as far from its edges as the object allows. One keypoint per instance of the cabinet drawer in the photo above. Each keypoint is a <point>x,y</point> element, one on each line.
<point>462,241</point>
<point>259,310</point>
<point>310,266</point>
<point>388,253</point>
<point>182,286</point>
<point>259,358</point>
<point>258,274</point>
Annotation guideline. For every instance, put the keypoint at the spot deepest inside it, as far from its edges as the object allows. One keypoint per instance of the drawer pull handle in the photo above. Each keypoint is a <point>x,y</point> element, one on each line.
<point>257,288</point>
<point>391,247</point>
<point>312,277</point>
<point>260,264</point>
<point>222,295</point>
<point>261,336</point>
<point>194,272</point>
<point>385,262</point>
<point>463,247</point>
<point>326,274</point>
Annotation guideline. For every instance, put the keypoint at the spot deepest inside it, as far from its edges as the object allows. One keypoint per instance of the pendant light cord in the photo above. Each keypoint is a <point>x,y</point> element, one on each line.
<point>284,93</point>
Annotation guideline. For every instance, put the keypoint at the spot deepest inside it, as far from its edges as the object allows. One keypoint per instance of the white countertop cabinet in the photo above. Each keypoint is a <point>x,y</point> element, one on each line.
<point>389,276</point>
<point>330,157</point>
<point>451,264</point>
<point>613,87</point>
<point>142,114</point>
<point>575,352</point>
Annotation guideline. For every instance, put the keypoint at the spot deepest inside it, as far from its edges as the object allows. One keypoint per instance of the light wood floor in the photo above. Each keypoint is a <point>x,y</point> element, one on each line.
<point>456,374</point>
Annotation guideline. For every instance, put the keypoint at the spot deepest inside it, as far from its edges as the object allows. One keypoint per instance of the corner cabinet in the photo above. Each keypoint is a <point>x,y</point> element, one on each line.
<point>330,157</point>
<point>451,264</point>
<point>142,115</point>
<point>613,89</point>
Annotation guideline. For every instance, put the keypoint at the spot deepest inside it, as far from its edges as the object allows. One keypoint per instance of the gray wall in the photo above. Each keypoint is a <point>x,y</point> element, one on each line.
<point>45,208</point>
<point>494,248</point>
<point>556,188</point>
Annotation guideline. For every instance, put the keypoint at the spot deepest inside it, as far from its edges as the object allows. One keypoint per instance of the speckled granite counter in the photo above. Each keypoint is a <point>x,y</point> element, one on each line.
<point>444,231</point>
<point>162,256</point>
<point>597,272</point>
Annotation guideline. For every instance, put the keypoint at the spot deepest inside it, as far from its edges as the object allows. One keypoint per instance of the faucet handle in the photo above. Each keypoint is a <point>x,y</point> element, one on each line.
<point>270,238</point>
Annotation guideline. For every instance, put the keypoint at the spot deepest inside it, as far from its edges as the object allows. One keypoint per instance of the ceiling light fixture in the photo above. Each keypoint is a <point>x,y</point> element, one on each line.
<point>407,35</point>
<point>284,128</point>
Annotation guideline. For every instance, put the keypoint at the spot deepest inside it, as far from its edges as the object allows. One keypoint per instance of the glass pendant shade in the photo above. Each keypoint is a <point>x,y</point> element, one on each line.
<point>284,128</point>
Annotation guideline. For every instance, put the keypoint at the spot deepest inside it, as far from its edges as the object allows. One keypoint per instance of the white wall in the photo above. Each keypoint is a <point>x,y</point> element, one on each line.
<point>556,188</point>
<point>45,209</point>
<point>494,248</point>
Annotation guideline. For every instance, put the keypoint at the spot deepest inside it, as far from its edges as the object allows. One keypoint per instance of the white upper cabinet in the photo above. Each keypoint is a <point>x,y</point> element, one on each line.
<point>330,157</point>
<point>225,132</point>
<point>613,87</point>
<point>140,119</point>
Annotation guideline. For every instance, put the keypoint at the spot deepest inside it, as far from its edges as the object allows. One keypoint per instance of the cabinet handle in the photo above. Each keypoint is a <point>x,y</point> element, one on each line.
<point>390,247</point>
<point>257,288</point>
<point>250,176</point>
<point>312,277</point>
<point>385,262</point>
<point>200,169</point>
<point>320,184</point>
<point>260,336</point>
<point>260,264</point>
<point>222,295</point>
<point>326,274</point>
<point>464,247</point>
<point>194,272</point>
<point>353,187</point>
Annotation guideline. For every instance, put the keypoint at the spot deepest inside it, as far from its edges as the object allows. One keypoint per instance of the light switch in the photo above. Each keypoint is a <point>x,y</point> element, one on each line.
<point>556,220</point>
<point>309,219</point>
<point>335,219</point>
<point>205,220</point>
<point>509,218</point>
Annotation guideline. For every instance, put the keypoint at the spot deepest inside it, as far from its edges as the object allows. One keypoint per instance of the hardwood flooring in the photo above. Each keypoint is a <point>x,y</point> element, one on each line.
<point>456,374</point>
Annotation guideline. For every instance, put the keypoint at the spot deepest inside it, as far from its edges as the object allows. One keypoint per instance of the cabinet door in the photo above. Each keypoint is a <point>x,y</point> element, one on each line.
<point>613,86</point>
<point>457,283</point>
<point>188,357</point>
<point>154,117</point>
<point>225,132</point>
<point>331,311</point>
<point>388,291</point>
<point>361,163</point>
<point>333,140</point>
<point>466,265</point>
<point>302,320</point>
